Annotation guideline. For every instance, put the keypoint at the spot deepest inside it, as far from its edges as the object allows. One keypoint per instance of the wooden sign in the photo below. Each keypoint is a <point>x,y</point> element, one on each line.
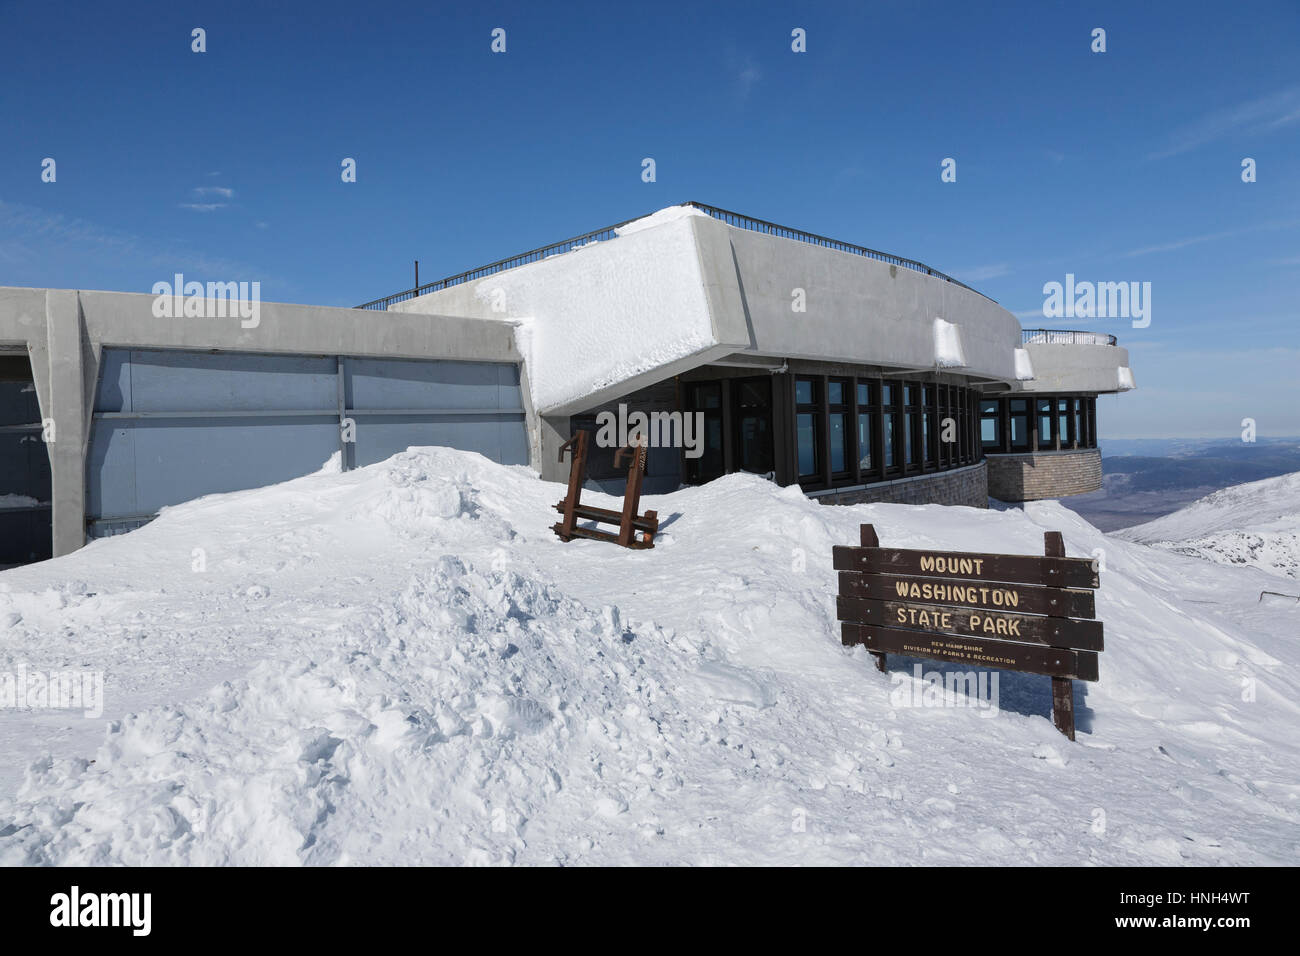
<point>992,596</point>
<point>1009,611</point>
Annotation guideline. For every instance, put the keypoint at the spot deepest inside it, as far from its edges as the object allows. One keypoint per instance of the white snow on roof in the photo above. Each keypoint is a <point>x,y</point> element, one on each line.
<point>1024,367</point>
<point>599,315</point>
<point>659,218</point>
<point>948,352</point>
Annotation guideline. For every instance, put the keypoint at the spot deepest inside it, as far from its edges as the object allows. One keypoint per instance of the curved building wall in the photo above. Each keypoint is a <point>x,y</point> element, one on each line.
<point>1044,474</point>
<point>858,309</point>
<point>966,486</point>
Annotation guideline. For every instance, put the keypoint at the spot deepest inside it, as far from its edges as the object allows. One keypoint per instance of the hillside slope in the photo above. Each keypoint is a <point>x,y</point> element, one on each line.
<point>1256,524</point>
<point>402,664</point>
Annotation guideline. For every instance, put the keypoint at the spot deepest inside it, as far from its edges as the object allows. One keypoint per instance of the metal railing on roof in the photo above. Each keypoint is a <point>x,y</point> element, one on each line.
<point>1065,337</point>
<point>609,232</point>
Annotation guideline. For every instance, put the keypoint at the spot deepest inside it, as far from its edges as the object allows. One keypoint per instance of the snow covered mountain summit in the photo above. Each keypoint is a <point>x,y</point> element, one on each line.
<point>402,664</point>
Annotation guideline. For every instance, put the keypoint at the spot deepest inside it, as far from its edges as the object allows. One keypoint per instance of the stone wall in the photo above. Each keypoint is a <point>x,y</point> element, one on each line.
<point>962,486</point>
<point>1045,474</point>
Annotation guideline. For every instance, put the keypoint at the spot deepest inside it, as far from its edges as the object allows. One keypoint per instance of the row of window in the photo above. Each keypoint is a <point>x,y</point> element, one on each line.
<point>1041,423</point>
<point>852,430</point>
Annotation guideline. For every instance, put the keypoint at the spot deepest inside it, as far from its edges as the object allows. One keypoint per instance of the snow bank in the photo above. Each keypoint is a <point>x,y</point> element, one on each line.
<point>402,664</point>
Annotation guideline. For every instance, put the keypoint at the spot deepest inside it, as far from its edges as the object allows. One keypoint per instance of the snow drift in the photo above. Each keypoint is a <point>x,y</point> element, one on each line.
<point>402,664</point>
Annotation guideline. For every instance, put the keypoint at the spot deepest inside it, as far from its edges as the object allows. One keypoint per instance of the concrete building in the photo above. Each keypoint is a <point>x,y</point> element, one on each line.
<point>859,375</point>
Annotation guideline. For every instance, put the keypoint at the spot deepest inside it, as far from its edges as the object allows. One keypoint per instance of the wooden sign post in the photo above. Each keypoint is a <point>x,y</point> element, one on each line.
<point>1009,611</point>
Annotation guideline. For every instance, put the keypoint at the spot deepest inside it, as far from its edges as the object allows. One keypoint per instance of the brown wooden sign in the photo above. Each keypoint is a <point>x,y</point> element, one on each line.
<point>1011,568</point>
<point>1009,611</point>
<point>992,596</point>
<point>996,625</point>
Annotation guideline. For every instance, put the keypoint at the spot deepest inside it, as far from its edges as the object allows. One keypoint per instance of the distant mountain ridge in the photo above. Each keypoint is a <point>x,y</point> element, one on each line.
<point>1146,478</point>
<point>1255,524</point>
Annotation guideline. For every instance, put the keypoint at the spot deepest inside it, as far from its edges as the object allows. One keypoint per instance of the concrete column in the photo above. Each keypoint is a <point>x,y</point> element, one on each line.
<point>553,431</point>
<point>67,407</point>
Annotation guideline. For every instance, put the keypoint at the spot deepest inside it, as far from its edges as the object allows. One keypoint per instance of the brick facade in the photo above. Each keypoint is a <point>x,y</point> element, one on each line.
<point>1046,474</point>
<point>962,486</point>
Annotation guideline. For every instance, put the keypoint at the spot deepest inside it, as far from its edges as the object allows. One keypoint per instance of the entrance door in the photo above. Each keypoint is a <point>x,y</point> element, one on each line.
<point>705,398</point>
<point>25,533</point>
<point>751,403</point>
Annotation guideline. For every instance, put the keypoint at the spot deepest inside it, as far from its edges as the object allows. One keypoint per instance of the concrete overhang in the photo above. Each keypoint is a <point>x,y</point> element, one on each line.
<point>1078,367</point>
<point>682,289</point>
<point>856,309</point>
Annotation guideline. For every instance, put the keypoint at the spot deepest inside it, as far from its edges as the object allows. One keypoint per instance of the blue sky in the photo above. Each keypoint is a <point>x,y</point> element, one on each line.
<point>1122,166</point>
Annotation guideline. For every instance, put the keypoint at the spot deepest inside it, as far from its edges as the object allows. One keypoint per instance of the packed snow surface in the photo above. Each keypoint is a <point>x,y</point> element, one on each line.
<point>1255,524</point>
<point>402,664</point>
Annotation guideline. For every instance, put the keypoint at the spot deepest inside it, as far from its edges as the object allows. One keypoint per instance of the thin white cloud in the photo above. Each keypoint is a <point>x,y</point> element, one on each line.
<point>202,206</point>
<point>223,191</point>
<point>980,273</point>
<point>1208,237</point>
<point>29,234</point>
<point>1255,116</point>
<point>743,71</point>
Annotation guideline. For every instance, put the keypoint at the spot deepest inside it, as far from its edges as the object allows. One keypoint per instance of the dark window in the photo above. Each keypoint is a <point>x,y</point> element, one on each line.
<point>866,424</point>
<point>807,430</point>
<point>889,410</point>
<point>837,426</point>
<point>991,424</point>
<point>838,435</point>
<point>1044,406</point>
<point>930,424</point>
<point>1019,424</point>
<point>910,424</point>
<point>807,426</point>
<point>867,411</point>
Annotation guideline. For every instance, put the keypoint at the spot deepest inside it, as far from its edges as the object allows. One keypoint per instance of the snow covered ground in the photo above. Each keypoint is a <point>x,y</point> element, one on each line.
<point>1256,524</point>
<point>402,664</point>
